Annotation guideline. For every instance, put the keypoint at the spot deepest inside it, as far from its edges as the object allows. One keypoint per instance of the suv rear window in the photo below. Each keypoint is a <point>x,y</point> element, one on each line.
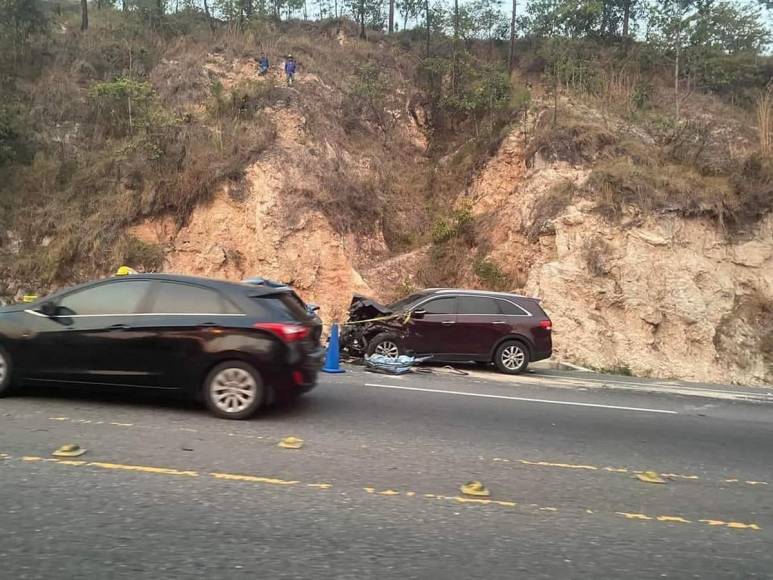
<point>283,306</point>
<point>510,308</point>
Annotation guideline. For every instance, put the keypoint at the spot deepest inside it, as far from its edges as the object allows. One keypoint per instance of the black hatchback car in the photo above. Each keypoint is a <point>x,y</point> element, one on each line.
<point>453,324</point>
<point>238,346</point>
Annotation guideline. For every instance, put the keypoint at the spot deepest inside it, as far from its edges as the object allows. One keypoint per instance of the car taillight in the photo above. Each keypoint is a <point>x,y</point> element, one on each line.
<point>546,324</point>
<point>286,332</point>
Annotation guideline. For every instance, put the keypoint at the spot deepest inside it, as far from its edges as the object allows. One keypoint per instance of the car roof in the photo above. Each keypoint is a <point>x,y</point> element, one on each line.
<point>225,285</point>
<point>441,291</point>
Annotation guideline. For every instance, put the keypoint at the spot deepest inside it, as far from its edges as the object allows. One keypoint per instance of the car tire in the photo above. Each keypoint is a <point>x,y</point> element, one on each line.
<point>387,344</point>
<point>6,373</point>
<point>512,357</point>
<point>234,390</point>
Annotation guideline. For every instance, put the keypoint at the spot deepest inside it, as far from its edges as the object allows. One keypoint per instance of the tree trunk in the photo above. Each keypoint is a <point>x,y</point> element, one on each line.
<point>160,7</point>
<point>391,16</point>
<point>456,20</point>
<point>209,16</point>
<point>361,9</point>
<point>84,15</point>
<point>512,37</point>
<point>429,26</point>
<point>626,16</point>
<point>124,5</point>
<point>676,68</point>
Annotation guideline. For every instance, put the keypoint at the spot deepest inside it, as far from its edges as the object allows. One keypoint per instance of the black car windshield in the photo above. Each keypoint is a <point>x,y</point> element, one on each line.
<point>404,302</point>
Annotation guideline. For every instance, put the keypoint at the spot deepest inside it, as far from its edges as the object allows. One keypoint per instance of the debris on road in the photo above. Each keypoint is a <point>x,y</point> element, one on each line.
<point>69,450</point>
<point>650,477</point>
<point>394,366</point>
<point>291,443</point>
<point>475,488</point>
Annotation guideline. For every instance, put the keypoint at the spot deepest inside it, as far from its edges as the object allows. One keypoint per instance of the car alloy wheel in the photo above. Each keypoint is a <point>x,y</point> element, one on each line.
<point>388,349</point>
<point>513,357</point>
<point>233,390</point>
<point>4,370</point>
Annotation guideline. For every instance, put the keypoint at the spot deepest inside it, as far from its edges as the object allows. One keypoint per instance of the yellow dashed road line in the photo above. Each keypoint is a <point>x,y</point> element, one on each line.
<point>528,462</point>
<point>253,478</point>
<point>681,520</point>
<point>387,493</point>
<point>624,470</point>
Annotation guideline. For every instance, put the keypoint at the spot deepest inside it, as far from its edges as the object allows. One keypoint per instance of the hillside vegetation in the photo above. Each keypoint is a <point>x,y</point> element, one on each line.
<point>413,145</point>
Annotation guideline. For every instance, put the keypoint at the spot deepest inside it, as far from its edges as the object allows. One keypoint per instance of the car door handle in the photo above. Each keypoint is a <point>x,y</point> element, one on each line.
<point>208,324</point>
<point>448,322</point>
<point>499,322</point>
<point>118,327</point>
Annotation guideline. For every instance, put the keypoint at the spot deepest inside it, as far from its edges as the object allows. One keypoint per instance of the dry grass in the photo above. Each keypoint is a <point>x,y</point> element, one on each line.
<point>596,253</point>
<point>547,208</point>
<point>572,141</point>
<point>764,110</point>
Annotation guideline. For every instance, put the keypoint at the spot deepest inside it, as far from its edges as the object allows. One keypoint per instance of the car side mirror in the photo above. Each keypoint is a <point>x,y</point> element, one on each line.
<point>312,307</point>
<point>421,313</point>
<point>49,309</point>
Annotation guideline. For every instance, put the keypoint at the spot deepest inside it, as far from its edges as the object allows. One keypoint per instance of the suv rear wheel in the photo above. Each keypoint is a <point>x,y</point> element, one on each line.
<point>512,357</point>
<point>234,390</point>
<point>387,344</point>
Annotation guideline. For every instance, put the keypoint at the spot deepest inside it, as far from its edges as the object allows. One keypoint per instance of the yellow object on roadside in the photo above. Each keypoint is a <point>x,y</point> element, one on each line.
<point>125,271</point>
<point>650,477</point>
<point>475,488</point>
<point>27,298</point>
<point>69,450</point>
<point>291,443</point>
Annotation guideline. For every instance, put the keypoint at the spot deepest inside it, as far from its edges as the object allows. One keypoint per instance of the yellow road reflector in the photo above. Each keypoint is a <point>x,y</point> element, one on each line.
<point>125,271</point>
<point>291,443</point>
<point>650,477</point>
<point>475,488</point>
<point>69,450</point>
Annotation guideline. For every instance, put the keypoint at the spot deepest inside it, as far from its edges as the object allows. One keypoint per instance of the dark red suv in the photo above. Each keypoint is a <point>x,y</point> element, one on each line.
<point>453,325</point>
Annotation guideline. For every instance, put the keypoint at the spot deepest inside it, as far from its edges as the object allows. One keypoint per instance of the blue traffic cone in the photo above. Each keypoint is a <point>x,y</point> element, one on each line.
<point>332,361</point>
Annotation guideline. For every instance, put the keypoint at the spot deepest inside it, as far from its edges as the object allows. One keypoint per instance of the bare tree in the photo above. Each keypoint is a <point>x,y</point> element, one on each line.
<point>84,15</point>
<point>429,27</point>
<point>626,17</point>
<point>391,16</point>
<point>512,37</point>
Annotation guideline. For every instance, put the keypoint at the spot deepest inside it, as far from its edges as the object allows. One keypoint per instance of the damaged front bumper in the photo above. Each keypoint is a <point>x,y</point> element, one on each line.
<point>356,334</point>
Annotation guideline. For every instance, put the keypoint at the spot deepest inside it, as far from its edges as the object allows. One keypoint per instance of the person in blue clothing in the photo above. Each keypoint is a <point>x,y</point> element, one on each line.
<point>263,64</point>
<point>290,67</point>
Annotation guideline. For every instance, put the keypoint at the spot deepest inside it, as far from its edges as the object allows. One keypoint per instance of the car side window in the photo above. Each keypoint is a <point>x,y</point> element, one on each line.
<point>511,309</point>
<point>120,297</point>
<point>440,306</point>
<point>173,298</point>
<point>477,305</point>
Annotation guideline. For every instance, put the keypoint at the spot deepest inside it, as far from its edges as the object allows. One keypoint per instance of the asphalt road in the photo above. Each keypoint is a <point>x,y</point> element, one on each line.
<point>166,491</point>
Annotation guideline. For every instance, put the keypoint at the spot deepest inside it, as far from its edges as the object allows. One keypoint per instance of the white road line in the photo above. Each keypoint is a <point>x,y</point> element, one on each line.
<point>645,385</point>
<point>525,400</point>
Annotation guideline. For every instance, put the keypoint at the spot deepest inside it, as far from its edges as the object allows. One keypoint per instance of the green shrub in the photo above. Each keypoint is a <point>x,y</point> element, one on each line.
<point>14,147</point>
<point>140,255</point>
<point>491,275</point>
<point>122,105</point>
<point>460,224</point>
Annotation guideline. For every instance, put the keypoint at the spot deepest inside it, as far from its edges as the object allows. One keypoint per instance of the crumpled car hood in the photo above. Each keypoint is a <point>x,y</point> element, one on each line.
<point>363,308</point>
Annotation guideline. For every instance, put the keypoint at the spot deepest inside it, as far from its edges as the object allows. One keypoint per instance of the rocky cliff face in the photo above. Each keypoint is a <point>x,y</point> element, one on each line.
<point>663,296</point>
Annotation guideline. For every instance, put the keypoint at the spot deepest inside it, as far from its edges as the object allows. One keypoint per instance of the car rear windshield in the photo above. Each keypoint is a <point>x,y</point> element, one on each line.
<point>283,306</point>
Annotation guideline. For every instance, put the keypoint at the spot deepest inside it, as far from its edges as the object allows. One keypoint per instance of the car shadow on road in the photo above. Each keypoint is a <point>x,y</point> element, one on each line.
<point>150,399</point>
